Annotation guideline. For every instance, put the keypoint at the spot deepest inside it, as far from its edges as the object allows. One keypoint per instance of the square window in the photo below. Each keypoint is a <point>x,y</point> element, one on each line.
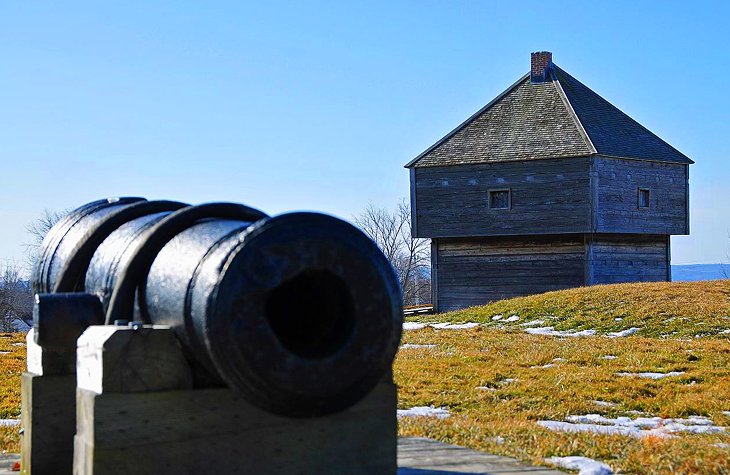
<point>499,199</point>
<point>644,195</point>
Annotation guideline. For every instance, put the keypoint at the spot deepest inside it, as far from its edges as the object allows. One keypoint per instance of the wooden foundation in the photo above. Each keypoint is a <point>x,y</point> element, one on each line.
<point>48,419</point>
<point>129,420</point>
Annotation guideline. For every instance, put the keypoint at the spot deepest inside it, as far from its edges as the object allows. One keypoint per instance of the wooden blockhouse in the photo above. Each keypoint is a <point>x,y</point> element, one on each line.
<point>547,187</point>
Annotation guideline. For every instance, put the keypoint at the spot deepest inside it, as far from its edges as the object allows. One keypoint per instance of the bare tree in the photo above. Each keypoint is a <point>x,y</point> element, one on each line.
<point>37,231</point>
<point>16,299</point>
<point>409,256</point>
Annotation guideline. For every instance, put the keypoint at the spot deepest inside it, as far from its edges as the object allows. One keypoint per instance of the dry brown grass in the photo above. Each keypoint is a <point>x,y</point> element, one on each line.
<point>12,365</point>
<point>448,375</point>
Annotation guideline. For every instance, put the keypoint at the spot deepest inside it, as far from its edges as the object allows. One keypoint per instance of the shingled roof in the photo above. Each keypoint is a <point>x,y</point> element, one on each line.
<point>554,117</point>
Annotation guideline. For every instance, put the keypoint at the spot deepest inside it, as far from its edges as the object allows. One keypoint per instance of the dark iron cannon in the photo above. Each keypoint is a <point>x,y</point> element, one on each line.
<point>300,313</point>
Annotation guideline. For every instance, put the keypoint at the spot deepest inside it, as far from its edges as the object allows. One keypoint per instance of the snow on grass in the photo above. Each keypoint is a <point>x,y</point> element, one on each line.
<point>9,422</point>
<point>424,411</point>
<point>408,346</point>
<point>650,375</point>
<point>609,357</point>
<point>455,326</point>
<point>584,465</point>
<point>559,360</point>
<point>545,366</point>
<point>497,317</point>
<point>533,323</point>
<point>513,318</point>
<point>551,331</point>
<point>440,326</point>
<point>637,427</point>
<point>627,332</point>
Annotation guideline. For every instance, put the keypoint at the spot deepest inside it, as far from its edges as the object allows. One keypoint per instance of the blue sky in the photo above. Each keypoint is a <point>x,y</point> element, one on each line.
<point>318,105</point>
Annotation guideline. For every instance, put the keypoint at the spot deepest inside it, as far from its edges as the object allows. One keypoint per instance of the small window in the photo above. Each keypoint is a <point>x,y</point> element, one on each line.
<point>499,199</point>
<point>644,196</point>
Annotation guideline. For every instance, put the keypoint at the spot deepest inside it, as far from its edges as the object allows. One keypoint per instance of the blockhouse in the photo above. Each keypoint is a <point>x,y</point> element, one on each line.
<point>547,187</point>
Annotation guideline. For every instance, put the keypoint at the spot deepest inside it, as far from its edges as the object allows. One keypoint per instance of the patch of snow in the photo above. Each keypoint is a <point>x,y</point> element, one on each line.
<point>609,357</point>
<point>4,352</point>
<point>414,325</point>
<point>605,403</point>
<point>9,422</point>
<point>550,331</point>
<point>584,465</point>
<point>454,326</point>
<point>727,413</point>
<point>512,318</point>
<point>724,332</point>
<point>508,380</point>
<point>18,344</point>
<point>723,445</point>
<point>627,332</point>
<point>415,345</point>
<point>485,388</point>
<point>549,365</point>
<point>650,375</point>
<point>424,411</point>
<point>533,323</point>
<point>499,440</point>
<point>497,317</point>
<point>638,427</point>
<point>618,319</point>
<point>559,360</point>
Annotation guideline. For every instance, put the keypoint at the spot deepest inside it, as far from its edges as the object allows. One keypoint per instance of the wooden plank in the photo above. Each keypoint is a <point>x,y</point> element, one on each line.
<point>617,258</point>
<point>420,456</point>
<point>215,430</point>
<point>435,275</point>
<point>414,215</point>
<point>479,270</point>
<point>548,196</point>
<point>616,200</point>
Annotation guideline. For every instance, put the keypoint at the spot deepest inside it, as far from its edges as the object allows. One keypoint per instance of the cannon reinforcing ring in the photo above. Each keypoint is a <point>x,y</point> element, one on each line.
<point>72,275</point>
<point>121,304</point>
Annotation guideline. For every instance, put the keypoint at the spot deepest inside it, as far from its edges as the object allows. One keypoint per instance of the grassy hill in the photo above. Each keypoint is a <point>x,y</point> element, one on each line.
<point>501,383</point>
<point>664,309</point>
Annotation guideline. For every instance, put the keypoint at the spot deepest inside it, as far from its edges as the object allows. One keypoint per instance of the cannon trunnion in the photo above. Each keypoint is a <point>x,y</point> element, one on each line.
<point>297,315</point>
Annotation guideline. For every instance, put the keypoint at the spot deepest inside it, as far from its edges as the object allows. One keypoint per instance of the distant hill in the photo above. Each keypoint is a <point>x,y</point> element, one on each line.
<point>694,272</point>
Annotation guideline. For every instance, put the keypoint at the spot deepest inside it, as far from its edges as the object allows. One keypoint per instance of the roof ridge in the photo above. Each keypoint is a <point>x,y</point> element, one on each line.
<point>571,111</point>
<point>467,121</point>
<point>568,76</point>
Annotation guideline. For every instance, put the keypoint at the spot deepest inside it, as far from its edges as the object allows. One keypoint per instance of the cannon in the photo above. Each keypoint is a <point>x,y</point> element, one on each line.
<point>297,316</point>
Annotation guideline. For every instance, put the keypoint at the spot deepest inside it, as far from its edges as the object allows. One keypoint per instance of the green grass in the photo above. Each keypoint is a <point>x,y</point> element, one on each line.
<point>660,310</point>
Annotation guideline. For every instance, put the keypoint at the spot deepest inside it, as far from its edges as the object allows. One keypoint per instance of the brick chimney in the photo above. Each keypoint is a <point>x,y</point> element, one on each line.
<point>540,64</point>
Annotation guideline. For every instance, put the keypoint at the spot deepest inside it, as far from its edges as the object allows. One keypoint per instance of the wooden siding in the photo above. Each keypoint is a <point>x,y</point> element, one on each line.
<point>616,196</point>
<point>480,270</point>
<point>628,258</point>
<point>547,197</point>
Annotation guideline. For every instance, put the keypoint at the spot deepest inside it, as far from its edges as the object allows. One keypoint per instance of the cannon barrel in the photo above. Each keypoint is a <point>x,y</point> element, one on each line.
<point>300,312</point>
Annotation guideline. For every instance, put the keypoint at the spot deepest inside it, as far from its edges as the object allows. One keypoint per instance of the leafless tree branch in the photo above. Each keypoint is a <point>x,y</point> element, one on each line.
<point>409,256</point>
